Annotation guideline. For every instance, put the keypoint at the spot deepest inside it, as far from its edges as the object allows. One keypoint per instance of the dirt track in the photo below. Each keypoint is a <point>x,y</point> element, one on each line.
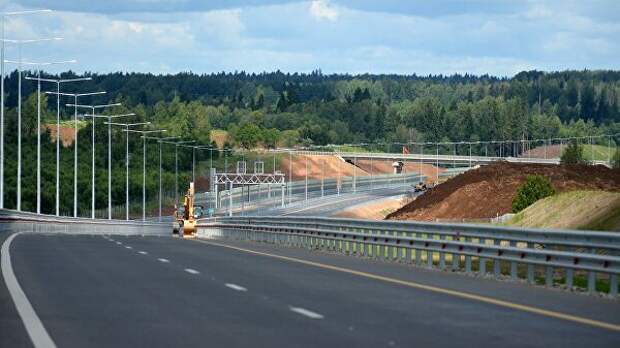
<point>489,190</point>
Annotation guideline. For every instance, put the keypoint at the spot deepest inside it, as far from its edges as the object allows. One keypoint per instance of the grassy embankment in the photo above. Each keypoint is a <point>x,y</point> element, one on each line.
<point>585,210</point>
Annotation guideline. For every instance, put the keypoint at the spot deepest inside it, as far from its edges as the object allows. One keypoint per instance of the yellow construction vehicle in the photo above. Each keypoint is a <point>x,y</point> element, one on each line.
<point>185,216</point>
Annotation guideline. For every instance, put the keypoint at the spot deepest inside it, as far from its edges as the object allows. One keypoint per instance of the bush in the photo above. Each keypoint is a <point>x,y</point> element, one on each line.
<point>573,154</point>
<point>535,187</point>
<point>615,161</point>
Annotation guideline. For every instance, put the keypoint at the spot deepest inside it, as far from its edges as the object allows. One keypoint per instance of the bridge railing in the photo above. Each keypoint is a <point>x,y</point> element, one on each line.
<point>572,259</point>
<point>11,220</point>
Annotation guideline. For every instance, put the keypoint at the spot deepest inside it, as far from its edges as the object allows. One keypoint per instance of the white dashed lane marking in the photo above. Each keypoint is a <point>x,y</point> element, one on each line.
<point>236,287</point>
<point>306,313</point>
<point>142,252</point>
<point>163,260</point>
<point>191,271</point>
<point>128,247</point>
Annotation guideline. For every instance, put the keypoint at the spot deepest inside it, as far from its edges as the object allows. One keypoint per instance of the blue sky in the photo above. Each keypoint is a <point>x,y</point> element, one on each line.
<point>337,36</point>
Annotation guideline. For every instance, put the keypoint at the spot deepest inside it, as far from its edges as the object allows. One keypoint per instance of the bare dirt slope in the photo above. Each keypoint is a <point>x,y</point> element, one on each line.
<point>599,210</point>
<point>489,190</point>
<point>331,166</point>
<point>67,134</point>
<point>549,151</point>
<point>335,166</point>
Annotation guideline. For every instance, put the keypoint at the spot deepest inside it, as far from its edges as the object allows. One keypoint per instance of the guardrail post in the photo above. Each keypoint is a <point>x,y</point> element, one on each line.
<point>467,258</point>
<point>592,277</point>
<point>418,253</point>
<point>429,256</point>
<point>591,281</point>
<point>513,264</point>
<point>613,284</point>
<point>497,262</point>
<point>407,250</point>
<point>442,255</point>
<point>569,278</point>
<point>456,258</point>
<point>548,276</point>
<point>530,274</point>
<point>482,268</point>
<point>384,249</point>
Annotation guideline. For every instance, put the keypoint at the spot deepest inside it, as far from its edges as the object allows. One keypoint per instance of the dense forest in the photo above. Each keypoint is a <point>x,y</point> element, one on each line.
<point>287,110</point>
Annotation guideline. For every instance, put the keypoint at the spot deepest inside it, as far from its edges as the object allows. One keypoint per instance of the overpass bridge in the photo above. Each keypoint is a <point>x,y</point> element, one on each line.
<point>441,159</point>
<point>303,281</point>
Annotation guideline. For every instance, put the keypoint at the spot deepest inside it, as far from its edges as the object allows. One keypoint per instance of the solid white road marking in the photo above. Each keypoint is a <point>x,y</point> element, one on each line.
<point>306,313</point>
<point>32,323</point>
<point>163,260</point>
<point>142,252</point>
<point>236,287</point>
<point>191,271</point>
<point>128,247</point>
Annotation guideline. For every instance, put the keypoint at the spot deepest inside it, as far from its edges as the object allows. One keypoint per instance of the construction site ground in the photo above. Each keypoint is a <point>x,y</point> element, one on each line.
<point>330,166</point>
<point>488,191</point>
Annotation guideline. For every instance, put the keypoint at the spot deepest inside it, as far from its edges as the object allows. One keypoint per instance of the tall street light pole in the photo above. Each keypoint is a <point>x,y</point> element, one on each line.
<point>75,141</point>
<point>127,125</point>
<point>57,93</point>
<point>3,17</point>
<point>19,111</point>
<point>94,117</point>
<point>159,142</point>
<point>144,132</point>
<point>176,167</point>
<point>109,120</point>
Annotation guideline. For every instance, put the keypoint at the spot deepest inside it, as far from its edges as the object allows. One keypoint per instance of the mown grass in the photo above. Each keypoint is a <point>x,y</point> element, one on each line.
<point>598,152</point>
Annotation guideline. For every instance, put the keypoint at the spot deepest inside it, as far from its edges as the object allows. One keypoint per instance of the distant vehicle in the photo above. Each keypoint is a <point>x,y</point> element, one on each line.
<point>185,216</point>
<point>420,187</point>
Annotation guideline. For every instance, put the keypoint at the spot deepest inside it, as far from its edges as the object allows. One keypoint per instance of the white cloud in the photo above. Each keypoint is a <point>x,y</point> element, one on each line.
<point>286,36</point>
<point>321,9</point>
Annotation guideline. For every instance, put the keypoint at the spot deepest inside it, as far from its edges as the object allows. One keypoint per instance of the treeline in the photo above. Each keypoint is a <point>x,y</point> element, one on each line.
<point>288,109</point>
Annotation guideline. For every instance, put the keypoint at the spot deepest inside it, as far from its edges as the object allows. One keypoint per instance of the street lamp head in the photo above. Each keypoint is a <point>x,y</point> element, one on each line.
<point>76,80</point>
<point>74,94</point>
<point>106,105</point>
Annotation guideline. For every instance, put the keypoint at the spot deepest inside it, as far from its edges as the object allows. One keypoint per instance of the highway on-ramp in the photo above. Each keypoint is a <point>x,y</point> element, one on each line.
<point>113,291</point>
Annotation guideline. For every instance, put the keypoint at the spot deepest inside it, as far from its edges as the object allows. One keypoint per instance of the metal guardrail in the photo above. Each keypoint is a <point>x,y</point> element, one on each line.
<point>263,197</point>
<point>557,255</point>
<point>31,222</point>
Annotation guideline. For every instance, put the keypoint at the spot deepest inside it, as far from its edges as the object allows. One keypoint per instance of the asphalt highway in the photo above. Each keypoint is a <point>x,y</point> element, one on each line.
<point>333,204</point>
<point>113,291</point>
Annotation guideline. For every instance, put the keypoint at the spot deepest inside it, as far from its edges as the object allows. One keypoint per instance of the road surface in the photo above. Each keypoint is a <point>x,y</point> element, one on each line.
<point>95,291</point>
<point>330,205</point>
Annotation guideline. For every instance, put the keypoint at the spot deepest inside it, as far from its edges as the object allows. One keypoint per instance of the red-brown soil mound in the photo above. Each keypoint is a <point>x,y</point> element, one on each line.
<point>489,190</point>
